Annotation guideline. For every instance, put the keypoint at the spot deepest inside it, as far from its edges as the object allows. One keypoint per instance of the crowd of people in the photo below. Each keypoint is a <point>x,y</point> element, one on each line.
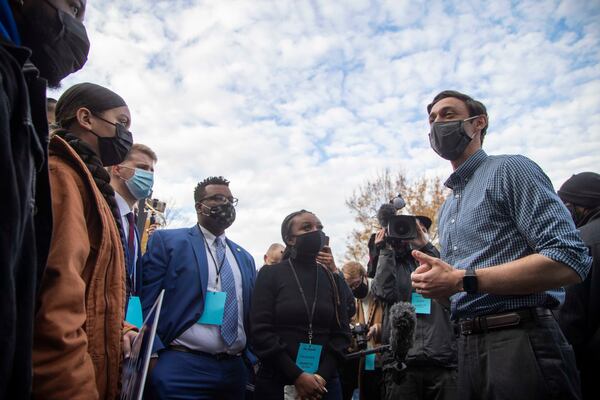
<point>506,305</point>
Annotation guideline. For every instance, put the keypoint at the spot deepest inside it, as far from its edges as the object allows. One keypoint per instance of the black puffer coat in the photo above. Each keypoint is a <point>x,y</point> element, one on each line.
<point>26,220</point>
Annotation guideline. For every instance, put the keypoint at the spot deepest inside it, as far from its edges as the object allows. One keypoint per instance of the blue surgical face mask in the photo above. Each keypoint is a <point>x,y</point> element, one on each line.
<point>140,184</point>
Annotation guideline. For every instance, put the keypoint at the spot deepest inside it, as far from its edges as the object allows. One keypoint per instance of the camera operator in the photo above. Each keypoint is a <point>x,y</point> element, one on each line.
<point>431,362</point>
<point>365,326</point>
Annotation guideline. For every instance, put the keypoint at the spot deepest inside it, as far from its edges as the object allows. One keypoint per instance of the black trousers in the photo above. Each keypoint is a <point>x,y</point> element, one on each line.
<point>370,381</point>
<point>422,383</point>
<point>530,361</point>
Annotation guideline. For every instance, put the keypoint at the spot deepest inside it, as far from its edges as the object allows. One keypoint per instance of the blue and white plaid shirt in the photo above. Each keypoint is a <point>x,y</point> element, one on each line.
<point>504,208</point>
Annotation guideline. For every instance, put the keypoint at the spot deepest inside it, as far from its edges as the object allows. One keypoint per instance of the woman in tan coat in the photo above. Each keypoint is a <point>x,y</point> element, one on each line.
<point>79,332</point>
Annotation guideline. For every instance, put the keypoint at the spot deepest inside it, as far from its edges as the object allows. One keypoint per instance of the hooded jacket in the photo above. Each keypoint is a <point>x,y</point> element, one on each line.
<point>79,323</point>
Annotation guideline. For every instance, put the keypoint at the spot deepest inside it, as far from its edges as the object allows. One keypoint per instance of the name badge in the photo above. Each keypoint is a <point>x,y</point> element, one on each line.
<point>422,305</point>
<point>308,357</point>
<point>370,362</point>
<point>134,312</point>
<point>214,307</point>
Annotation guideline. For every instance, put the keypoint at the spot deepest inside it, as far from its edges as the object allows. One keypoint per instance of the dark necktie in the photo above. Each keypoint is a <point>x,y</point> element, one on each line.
<point>131,243</point>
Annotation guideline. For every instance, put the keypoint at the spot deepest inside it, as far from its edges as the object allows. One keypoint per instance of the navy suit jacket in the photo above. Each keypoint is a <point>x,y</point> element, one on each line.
<point>175,260</point>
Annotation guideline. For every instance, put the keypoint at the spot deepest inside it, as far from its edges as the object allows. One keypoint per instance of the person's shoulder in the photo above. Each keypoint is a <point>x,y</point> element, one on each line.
<point>66,172</point>
<point>338,276</point>
<point>172,233</point>
<point>237,248</point>
<point>512,161</point>
<point>516,167</point>
<point>269,272</point>
<point>590,232</point>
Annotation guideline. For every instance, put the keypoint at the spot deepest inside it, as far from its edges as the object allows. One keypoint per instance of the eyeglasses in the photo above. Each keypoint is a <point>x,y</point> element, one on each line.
<point>219,198</point>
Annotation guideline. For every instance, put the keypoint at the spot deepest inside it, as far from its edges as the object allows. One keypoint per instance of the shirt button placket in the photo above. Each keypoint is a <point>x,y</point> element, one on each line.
<point>453,227</point>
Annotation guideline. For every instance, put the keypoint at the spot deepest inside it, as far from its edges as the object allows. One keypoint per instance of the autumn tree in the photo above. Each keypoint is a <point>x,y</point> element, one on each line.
<point>423,196</point>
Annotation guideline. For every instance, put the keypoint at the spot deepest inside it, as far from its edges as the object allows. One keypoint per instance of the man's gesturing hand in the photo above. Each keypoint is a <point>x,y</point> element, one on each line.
<point>435,278</point>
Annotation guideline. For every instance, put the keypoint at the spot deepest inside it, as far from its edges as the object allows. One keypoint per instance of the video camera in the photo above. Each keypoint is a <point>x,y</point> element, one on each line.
<point>359,333</point>
<point>397,227</point>
<point>150,211</point>
<point>156,205</point>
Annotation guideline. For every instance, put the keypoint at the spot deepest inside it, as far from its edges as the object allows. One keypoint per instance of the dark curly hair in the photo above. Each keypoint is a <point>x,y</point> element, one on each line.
<point>200,190</point>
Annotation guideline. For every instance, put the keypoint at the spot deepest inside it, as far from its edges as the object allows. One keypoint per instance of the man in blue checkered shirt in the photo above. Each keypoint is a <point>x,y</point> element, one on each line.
<point>508,248</point>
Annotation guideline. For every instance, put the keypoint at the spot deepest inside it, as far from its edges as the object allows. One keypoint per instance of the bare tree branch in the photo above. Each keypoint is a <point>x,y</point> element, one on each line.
<point>423,197</point>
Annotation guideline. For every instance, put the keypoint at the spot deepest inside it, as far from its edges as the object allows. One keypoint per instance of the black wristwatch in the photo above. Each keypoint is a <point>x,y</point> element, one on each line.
<point>470,281</point>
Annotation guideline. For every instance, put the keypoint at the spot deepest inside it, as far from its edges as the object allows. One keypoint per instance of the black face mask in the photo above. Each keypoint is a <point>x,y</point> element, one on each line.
<point>449,139</point>
<point>361,290</point>
<point>579,217</point>
<point>309,244</point>
<point>113,150</point>
<point>223,214</point>
<point>59,45</point>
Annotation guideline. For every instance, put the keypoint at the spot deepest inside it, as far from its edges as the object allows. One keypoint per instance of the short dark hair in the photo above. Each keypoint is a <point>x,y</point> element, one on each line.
<point>200,190</point>
<point>475,107</point>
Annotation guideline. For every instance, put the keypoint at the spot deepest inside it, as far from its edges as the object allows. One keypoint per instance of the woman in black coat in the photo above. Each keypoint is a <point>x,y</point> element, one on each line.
<point>299,322</point>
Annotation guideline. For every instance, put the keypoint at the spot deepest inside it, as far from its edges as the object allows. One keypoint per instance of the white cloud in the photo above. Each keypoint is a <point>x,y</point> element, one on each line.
<point>298,102</point>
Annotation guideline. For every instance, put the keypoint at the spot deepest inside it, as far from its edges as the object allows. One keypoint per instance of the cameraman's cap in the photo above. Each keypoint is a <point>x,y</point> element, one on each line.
<point>425,221</point>
<point>581,190</point>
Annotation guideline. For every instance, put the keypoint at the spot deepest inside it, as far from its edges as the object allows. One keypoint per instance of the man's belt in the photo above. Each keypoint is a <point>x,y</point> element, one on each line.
<point>217,356</point>
<point>485,323</point>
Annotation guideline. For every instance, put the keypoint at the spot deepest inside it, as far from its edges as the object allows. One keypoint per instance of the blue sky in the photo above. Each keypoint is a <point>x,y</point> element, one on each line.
<point>299,102</point>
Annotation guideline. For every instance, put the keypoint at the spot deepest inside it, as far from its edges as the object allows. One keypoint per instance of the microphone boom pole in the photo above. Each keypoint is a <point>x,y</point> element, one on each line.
<point>362,353</point>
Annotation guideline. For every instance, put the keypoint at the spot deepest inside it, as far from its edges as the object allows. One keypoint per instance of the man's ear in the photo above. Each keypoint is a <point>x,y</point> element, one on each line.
<point>83,117</point>
<point>481,122</point>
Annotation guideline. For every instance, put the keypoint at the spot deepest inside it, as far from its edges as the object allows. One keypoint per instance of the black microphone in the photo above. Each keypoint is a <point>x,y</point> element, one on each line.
<point>385,213</point>
<point>403,320</point>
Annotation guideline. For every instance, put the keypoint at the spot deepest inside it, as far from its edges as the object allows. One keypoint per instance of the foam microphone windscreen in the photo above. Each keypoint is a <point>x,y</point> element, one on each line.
<point>403,320</point>
<point>385,213</point>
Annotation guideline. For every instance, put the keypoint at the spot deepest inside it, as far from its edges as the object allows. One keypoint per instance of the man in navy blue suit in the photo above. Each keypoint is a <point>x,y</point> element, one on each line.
<point>202,333</point>
<point>132,180</point>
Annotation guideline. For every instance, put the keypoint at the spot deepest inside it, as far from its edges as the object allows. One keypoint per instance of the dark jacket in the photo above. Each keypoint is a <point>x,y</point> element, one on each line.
<point>579,317</point>
<point>434,341</point>
<point>79,324</point>
<point>26,223</point>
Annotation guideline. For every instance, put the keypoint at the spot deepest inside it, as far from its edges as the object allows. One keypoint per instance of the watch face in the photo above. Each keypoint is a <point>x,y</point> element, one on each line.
<point>470,282</point>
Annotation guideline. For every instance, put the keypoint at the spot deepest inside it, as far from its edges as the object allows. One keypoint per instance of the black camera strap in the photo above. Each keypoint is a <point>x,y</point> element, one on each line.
<point>310,314</point>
